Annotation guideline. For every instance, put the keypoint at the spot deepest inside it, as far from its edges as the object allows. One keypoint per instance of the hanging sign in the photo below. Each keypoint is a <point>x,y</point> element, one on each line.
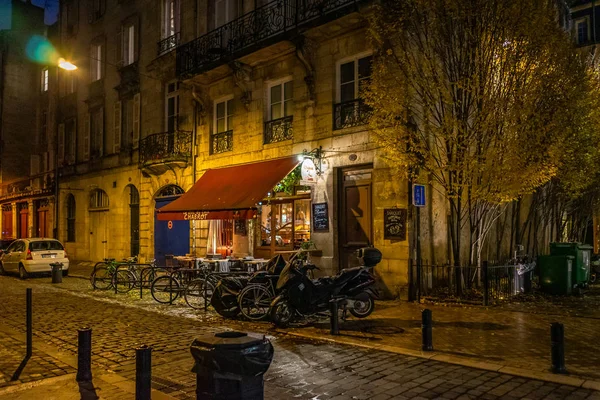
<point>308,171</point>
<point>394,223</point>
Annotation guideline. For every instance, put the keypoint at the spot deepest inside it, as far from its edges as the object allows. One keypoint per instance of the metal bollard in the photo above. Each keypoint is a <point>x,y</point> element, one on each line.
<point>557,337</point>
<point>56,272</point>
<point>335,329</point>
<point>84,355</point>
<point>28,322</point>
<point>426,330</point>
<point>143,372</point>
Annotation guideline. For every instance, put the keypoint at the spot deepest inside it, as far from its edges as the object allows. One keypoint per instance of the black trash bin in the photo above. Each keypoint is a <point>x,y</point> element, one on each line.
<point>230,366</point>
<point>56,272</point>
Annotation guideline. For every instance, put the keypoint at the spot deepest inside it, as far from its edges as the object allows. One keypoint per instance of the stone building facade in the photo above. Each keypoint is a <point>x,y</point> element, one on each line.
<point>26,164</point>
<point>158,99</point>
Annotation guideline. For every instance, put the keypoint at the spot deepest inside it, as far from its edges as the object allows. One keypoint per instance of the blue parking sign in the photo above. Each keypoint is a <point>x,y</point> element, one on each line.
<point>419,195</point>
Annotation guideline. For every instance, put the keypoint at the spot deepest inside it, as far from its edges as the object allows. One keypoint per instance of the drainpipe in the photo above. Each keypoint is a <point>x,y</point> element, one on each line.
<point>194,132</point>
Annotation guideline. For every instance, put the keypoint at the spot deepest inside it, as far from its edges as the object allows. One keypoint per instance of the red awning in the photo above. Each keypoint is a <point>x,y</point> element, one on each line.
<point>229,193</point>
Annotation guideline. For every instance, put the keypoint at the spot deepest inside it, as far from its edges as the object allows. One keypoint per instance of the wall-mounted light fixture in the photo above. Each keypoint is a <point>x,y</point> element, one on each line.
<point>316,155</point>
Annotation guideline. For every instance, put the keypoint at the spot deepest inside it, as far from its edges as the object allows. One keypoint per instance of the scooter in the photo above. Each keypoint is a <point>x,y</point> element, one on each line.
<point>352,289</point>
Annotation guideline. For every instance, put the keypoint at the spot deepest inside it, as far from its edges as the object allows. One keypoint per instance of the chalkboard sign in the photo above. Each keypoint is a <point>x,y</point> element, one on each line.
<point>240,227</point>
<point>394,224</point>
<point>320,217</point>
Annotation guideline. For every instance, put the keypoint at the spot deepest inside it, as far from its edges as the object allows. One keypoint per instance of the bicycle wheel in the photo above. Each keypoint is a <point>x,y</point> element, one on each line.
<point>124,280</point>
<point>255,301</point>
<point>148,275</point>
<point>195,291</point>
<point>165,289</point>
<point>101,279</point>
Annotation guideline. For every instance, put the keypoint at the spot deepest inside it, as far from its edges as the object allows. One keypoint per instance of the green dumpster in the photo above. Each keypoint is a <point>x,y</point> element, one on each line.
<point>581,264</point>
<point>556,274</point>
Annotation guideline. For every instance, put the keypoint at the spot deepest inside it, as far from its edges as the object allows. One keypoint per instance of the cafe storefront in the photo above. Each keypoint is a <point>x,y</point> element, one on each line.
<point>243,215</point>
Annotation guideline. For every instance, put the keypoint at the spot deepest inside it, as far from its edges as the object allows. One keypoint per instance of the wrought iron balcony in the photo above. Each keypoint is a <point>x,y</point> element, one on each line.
<point>278,130</point>
<point>350,114</point>
<point>168,44</point>
<point>221,142</point>
<point>165,148</point>
<point>265,25</point>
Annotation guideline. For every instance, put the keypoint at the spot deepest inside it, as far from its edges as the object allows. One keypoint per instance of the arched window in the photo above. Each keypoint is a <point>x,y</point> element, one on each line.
<point>70,218</point>
<point>134,220</point>
<point>170,190</point>
<point>98,200</point>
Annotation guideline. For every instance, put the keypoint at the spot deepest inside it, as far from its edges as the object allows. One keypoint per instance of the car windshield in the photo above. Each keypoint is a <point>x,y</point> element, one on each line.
<point>45,245</point>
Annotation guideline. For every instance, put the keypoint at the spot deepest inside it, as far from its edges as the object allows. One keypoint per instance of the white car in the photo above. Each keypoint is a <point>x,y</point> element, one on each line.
<point>32,255</point>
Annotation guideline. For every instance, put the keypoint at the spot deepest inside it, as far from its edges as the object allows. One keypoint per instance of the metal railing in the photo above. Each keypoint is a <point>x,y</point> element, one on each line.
<point>485,284</point>
<point>167,44</point>
<point>261,27</point>
<point>166,146</point>
<point>278,130</point>
<point>351,114</point>
<point>221,142</point>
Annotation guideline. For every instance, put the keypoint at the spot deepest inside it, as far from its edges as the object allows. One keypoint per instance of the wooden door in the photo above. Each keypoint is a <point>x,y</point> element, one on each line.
<point>7,224</point>
<point>98,236</point>
<point>355,222</point>
<point>23,220</point>
<point>42,223</point>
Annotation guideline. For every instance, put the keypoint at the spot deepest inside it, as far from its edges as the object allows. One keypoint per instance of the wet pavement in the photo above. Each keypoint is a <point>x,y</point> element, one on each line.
<point>300,369</point>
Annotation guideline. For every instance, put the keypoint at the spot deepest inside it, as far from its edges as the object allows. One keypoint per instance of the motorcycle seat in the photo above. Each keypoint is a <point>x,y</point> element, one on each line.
<point>346,274</point>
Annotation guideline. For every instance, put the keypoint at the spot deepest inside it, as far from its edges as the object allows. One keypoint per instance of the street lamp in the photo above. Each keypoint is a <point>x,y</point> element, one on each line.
<point>64,64</point>
<point>68,66</point>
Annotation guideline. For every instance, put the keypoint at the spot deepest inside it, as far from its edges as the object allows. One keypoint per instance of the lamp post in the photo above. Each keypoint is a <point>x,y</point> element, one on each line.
<point>67,66</point>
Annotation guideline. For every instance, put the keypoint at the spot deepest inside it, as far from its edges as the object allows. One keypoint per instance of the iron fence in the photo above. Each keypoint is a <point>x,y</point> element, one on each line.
<point>167,44</point>
<point>486,284</point>
<point>263,26</point>
<point>221,142</point>
<point>166,146</point>
<point>278,130</point>
<point>350,114</point>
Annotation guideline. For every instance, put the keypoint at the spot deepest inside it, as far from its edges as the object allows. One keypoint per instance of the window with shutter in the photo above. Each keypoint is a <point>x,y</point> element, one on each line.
<point>70,140</point>
<point>86,136</point>
<point>136,119</point>
<point>61,143</point>
<point>117,127</point>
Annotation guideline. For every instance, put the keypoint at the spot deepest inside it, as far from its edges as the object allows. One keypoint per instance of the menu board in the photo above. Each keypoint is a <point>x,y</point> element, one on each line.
<point>240,227</point>
<point>394,223</point>
<point>320,217</point>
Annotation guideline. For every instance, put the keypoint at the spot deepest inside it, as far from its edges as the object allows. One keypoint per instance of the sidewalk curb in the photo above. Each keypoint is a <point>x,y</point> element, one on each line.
<point>457,360</point>
<point>71,360</point>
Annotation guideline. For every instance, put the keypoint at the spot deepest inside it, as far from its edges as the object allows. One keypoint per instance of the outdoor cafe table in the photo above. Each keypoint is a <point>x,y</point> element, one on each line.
<point>219,265</point>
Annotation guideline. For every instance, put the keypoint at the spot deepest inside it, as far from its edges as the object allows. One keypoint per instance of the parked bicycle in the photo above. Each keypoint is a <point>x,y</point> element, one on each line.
<point>194,284</point>
<point>107,275</point>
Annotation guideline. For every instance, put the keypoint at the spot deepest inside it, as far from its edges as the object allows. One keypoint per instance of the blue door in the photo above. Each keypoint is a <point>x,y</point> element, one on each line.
<point>170,237</point>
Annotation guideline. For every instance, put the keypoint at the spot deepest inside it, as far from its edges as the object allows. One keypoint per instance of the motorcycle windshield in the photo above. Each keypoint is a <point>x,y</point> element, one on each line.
<point>286,274</point>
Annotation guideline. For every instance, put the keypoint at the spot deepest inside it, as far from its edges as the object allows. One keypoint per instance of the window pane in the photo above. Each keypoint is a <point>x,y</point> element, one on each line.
<point>288,90</point>
<point>221,110</point>
<point>364,67</point>
<point>301,222</point>
<point>230,110</point>
<point>220,125</point>
<point>288,108</point>
<point>276,111</point>
<point>283,224</point>
<point>229,122</point>
<point>347,72</point>
<point>265,226</point>
<point>347,92</point>
<point>275,94</point>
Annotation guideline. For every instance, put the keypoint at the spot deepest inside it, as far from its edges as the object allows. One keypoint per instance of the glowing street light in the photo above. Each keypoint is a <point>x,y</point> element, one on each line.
<point>64,64</point>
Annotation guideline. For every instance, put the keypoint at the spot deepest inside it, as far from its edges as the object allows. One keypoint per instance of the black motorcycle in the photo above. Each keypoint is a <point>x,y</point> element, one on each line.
<point>300,296</point>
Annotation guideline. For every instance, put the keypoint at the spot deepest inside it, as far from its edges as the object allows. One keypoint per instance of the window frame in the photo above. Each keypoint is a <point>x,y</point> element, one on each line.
<point>174,94</point>
<point>168,16</point>
<point>279,82</point>
<point>97,147</point>
<point>579,21</point>
<point>338,74</point>
<point>70,141</point>
<point>98,200</point>
<point>226,100</point>
<point>97,60</point>
<point>128,45</point>
<point>45,80</point>
<point>71,218</point>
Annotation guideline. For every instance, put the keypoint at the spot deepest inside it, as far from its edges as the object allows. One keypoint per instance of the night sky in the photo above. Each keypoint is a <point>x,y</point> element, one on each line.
<point>50,17</point>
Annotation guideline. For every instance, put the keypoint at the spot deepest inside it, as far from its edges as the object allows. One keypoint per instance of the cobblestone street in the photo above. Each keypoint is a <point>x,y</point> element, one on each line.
<point>301,369</point>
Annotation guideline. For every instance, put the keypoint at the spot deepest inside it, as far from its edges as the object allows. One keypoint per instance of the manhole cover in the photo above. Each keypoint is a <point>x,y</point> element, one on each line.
<point>383,330</point>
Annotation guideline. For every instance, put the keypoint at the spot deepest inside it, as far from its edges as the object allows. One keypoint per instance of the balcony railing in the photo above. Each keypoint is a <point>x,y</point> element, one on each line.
<point>278,130</point>
<point>221,142</point>
<point>265,25</point>
<point>350,114</point>
<point>168,44</point>
<point>165,147</point>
